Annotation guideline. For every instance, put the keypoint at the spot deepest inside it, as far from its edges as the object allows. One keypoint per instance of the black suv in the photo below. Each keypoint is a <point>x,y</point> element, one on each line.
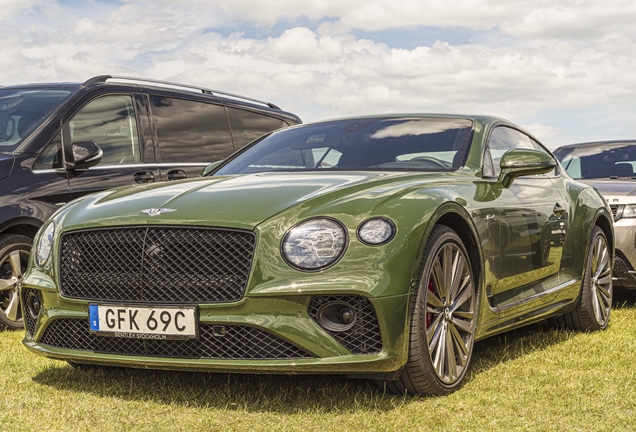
<point>62,141</point>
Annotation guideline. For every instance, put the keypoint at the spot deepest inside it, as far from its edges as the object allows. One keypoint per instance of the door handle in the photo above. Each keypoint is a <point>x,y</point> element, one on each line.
<point>558,210</point>
<point>177,175</point>
<point>144,177</point>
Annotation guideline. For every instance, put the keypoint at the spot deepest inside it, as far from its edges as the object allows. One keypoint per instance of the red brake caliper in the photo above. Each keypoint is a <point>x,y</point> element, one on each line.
<point>429,316</point>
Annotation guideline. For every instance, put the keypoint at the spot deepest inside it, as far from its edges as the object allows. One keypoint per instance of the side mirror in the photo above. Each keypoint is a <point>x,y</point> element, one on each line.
<point>79,155</point>
<point>520,162</point>
<point>208,169</point>
<point>86,154</point>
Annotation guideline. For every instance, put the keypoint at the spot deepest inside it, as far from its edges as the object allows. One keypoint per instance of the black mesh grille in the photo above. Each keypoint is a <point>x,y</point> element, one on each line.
<point>364,337</point>
<point>158,264</point>
<point>238,342</point>
<point>29,320</point>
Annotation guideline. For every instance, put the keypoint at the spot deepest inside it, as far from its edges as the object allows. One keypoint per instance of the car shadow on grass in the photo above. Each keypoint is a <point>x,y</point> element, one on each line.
<point>278,393</point>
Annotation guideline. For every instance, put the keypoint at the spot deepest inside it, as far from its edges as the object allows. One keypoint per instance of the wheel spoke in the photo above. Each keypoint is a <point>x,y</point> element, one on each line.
<point>466,295</point>
<point>466,326</point>
<point>596,306</point>
<point>462,350</point>
<point>438,277</point>
<point>433,300</point>
<point>458,271</point>
<point>438,361</point>
<point>447,265</point>
<point>16,267</point>
<point>6,284</point>
<point>432,332</point>
<point>602,263</point>
<point>12,310</point>
<point>451,362</point>
<point>602,306</point>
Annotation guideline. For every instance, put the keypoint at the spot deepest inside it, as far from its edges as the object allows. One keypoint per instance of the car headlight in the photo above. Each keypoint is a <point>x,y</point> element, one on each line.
<point>314,244</point>
<point>376,232</point>
<point>45,244</point>
<point>629,211</point>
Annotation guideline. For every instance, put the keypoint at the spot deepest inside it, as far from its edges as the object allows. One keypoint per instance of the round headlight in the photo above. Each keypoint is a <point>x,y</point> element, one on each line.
<point>314,244</point>
<point>45,244</point>
<point>376,231</point>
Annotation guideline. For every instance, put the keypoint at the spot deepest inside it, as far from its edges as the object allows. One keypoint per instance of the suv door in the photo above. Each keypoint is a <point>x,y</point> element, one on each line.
<point>112,121</point>
<point>527,212</point>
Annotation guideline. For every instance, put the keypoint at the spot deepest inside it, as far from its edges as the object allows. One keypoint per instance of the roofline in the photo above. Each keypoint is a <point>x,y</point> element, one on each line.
<point>596,143</point>
<point>208,91</point>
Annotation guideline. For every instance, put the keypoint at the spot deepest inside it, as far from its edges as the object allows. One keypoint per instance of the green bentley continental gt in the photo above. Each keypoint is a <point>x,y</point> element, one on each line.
<point>377,247</point>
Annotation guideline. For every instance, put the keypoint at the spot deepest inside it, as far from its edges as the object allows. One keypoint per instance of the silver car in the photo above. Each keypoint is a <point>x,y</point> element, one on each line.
<point>610,167</point>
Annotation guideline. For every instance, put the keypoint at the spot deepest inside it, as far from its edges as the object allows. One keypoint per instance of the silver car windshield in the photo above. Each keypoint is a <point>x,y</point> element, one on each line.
<point>602,161</point>
<point>377,144</point>
<point>22,111</point>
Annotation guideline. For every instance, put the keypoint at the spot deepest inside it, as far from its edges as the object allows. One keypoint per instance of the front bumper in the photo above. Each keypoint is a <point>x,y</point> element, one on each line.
<point>286,318</point>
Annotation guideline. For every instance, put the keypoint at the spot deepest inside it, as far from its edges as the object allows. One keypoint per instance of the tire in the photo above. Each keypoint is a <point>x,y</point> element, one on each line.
<point>437,361</point>
<point>592,312</point>
<point>14,258</point>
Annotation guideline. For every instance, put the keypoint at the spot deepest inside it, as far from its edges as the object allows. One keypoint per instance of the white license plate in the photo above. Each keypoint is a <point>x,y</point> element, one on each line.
<point>165,322</point>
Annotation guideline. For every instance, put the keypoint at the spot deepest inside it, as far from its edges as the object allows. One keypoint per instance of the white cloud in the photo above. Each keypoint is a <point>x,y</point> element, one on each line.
<point>560,56</point>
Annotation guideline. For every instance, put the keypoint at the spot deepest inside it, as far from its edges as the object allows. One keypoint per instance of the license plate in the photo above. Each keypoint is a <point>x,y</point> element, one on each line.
<point>165,322</point>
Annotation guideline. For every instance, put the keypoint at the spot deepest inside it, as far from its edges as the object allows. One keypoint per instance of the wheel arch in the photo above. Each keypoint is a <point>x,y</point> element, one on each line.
<point>457,218</point>
<point>26,226</point>
<point>604,223</point>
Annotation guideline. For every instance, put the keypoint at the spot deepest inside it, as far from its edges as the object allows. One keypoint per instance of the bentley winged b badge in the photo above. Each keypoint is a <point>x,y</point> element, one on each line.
<point>157,211</point>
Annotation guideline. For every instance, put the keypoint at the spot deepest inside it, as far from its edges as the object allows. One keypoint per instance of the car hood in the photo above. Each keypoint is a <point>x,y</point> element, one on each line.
<point>6,164</point>
<point>241,201</point>
<point>614,190</point>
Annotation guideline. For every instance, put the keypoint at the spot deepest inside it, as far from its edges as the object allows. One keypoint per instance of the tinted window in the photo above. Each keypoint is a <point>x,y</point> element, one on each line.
<point>21,111</point>
<point>503,139</point>
<point>190,131</point>
<point>366,144</point>
<point>617,160</point>
<point>51,157</point>
<point>247,126</point>
<point>110,122</point>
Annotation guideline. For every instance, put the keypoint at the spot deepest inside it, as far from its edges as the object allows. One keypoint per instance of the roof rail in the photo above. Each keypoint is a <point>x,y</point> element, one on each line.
<point>104,78</point>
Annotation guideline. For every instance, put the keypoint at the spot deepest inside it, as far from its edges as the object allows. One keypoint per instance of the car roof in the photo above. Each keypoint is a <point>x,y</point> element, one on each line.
<point>227,98</point>
<point>597,143</point>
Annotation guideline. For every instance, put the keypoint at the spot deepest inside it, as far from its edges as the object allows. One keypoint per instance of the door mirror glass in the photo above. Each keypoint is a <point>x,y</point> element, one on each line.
<point>521,162</point>
<point>86,154</point>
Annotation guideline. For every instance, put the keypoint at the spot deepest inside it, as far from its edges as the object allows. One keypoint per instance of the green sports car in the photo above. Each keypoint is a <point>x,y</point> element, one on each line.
<point>378,247</point>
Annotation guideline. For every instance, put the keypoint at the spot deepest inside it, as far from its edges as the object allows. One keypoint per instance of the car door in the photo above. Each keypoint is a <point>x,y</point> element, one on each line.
<point>189,135</point>
<point>529,209</point>
<point>116,123</point>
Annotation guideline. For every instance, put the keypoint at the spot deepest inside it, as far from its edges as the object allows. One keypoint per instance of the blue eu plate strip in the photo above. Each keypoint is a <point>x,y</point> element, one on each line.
<point>94,317</point>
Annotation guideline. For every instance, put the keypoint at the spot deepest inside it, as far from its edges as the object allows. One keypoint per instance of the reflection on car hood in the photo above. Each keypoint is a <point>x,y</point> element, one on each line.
<point>6,164</point>
<point>241,201</point>
<point>615,190</point>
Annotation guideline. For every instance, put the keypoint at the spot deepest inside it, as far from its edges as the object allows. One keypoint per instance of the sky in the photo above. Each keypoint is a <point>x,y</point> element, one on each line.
<point>563,69</point>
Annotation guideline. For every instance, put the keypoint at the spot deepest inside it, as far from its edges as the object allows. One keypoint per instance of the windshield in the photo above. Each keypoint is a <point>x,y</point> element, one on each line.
<point>405,144</point>
<point>604,161</point>
<point>22,110</point>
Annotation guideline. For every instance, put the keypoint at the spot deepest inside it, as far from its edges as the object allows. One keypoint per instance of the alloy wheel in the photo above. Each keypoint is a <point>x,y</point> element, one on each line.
<point>450,313</point>
<point>601,280</point>
<point>12,266</point>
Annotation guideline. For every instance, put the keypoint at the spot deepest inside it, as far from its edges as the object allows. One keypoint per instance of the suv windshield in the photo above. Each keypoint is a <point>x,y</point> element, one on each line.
<point>602,161</point>
<point>405,144</point>
<point>22,110</point>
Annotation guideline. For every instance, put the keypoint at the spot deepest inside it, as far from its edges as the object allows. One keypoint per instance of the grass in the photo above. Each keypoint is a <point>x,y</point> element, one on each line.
<point>532,378</point>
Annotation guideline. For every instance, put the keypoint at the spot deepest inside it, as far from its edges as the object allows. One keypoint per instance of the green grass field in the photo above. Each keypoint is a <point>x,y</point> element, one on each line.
<point>531,379</point>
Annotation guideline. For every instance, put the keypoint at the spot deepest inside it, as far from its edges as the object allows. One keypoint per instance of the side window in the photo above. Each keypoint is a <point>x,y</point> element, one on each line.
<point>51,157</point>
<point>247,126</point>
<point>110,122</point>
<point>189,131</point>
<point>503,139</point>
